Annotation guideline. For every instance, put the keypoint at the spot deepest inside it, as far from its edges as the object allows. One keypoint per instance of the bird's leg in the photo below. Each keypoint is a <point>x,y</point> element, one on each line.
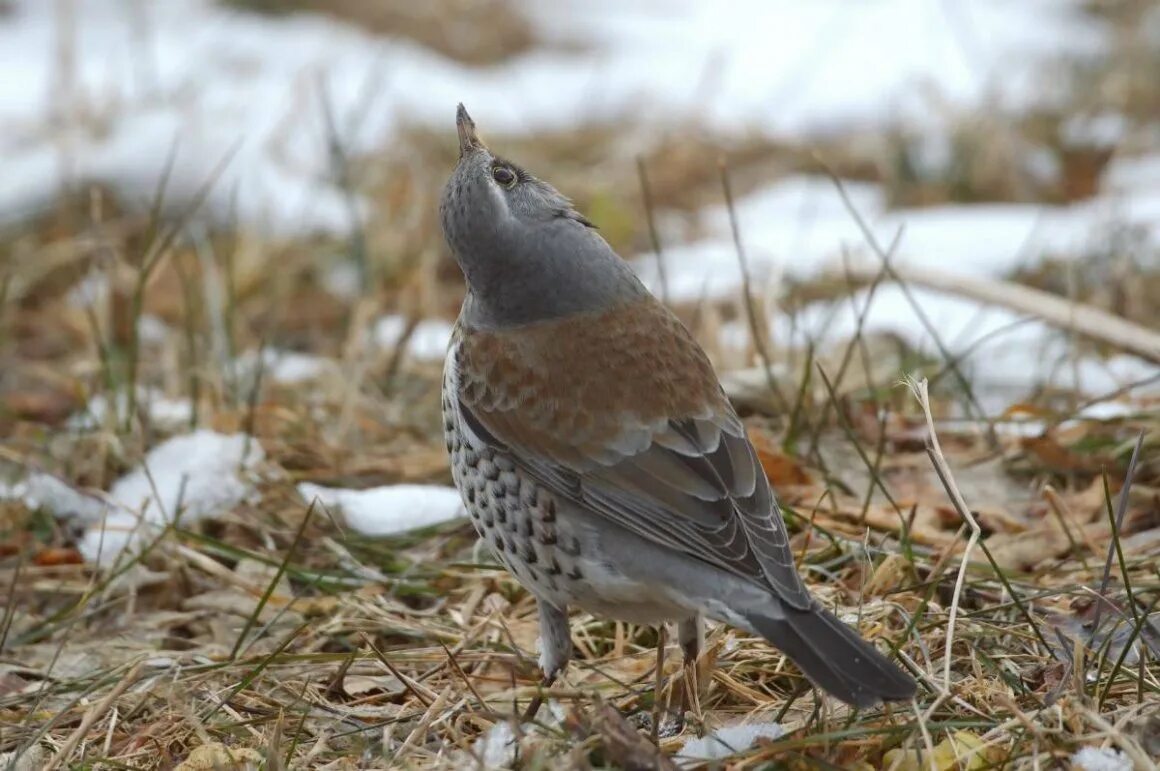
<point>691,633</point>
<point>555,650</point>
<point>658,675</point>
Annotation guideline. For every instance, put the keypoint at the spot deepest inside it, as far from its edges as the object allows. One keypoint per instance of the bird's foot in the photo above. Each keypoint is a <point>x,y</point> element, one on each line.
<point>669,723</point>
<point>538,700</point>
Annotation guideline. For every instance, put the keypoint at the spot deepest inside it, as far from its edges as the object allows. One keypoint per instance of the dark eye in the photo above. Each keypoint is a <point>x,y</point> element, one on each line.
<point>503,175</point>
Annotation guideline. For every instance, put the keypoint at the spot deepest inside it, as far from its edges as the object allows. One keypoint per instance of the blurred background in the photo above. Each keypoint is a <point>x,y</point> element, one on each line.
<point>225,292</point>
<point>988,139</point>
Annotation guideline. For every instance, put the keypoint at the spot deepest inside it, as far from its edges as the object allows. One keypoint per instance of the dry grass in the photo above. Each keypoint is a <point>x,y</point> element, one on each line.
<point>272,636</point>
<point>481,32</point>
<point>273,630</point>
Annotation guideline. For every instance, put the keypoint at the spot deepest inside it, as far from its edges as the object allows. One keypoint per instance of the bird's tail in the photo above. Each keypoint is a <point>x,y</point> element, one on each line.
<point>834,657</point>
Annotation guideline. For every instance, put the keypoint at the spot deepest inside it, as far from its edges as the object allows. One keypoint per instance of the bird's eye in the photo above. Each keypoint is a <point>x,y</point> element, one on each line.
<point>504,176</point>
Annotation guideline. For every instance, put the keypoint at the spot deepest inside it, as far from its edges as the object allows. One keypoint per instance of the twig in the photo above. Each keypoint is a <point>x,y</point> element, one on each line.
<point>927,324</point>
<point>646,192</point>
<point>1121,510</point>
<point>920,392</point>
<point>747,289</point>
<point>1131,748</point>
<point>658,676</point>
<point>421,692</point>
<point>1084,320</point>
<point>425,723</point>
<point>95,712</point>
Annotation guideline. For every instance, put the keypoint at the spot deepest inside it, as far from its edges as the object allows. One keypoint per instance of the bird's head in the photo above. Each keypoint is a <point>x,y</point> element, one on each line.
<point>526,252</point>
<point>488,196</point>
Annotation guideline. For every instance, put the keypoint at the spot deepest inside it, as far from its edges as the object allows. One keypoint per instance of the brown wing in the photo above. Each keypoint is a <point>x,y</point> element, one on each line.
<point>622,413</point>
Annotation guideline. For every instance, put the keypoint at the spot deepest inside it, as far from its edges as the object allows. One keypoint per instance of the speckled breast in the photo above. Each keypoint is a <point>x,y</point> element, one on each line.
<point>516,517</point>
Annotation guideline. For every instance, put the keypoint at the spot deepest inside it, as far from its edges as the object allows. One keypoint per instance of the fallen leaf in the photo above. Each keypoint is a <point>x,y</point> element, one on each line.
<point>960,750</point>
<point>53,556</point>
<point>11,683</point>
<point>631,750</point>
<point>209,757</point>
<point>1117,624</point>
<point>782,470</point>
<point>889,574</point>
<point>1045,678</point>
<point>1055,457</point>
<point>1026,551</point>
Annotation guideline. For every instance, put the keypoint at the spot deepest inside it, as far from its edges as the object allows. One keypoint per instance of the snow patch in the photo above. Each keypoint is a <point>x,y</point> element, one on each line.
<point>283,367</point>
<point>728,740</point>
<point>428,341</point>
<point>44,491</point>
<point>162,412</point>
<point>1096,759</point>
<point>196,80</point>
<point>1002,353</point>
<point>497,747</point>
<point>391,509</point>
<point>190,477</point>
<point>1110,410</point>
<point>799,227</point>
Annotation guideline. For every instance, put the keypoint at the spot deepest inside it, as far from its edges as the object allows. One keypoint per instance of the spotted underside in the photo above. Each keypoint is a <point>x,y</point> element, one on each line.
<point>656,448</point>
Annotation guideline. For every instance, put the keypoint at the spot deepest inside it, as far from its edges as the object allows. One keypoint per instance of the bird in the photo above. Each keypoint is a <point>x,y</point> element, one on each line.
<point>596,451</point>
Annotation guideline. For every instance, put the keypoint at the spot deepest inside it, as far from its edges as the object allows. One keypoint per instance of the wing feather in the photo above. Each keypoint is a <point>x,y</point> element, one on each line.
<point>664,455</point>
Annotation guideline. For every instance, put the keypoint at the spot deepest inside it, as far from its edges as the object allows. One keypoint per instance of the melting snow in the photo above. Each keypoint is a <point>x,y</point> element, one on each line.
<point>428,340</point>
<point>497,747</point>
<point>192,476</point>
<point>728,740</point>
<point>391,509</point>
<point>1003,353</point>
<point>799,227</point>
<point>163,413</point>
<point>212,79</point>
<point>44,491</point>
<point>285,367</point>
<point>1094,759</point>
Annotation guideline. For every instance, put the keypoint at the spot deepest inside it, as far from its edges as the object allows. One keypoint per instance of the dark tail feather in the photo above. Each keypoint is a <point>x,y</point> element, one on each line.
<point>835,658</point>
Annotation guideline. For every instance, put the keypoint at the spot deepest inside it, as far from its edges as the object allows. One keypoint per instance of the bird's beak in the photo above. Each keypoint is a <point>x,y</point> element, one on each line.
<point>468,140</point>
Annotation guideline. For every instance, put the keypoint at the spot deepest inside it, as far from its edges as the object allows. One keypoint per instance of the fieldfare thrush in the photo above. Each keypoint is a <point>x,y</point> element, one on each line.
<point>594,447</point>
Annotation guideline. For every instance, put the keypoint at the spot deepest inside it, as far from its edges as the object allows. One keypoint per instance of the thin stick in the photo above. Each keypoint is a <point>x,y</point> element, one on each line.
<point>95,712</point>
<point>646,192</point>
<point>658,675</point>
<point>859,325</point>
<point>1084,320</point>
<point>915,306</point>
<point>747,289</point>
<point>1118,524</point>
<point>919,389</point>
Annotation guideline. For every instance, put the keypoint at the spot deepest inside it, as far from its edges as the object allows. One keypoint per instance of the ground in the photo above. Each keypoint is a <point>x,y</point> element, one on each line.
<point>226,529</point>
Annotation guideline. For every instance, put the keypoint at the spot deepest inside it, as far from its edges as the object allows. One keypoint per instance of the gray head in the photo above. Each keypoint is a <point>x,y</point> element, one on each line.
<point>527,254</point>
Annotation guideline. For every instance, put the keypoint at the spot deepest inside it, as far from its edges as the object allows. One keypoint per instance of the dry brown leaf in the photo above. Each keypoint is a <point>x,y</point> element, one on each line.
<point>630,749</point>
<point>1056,457</point>
<point>210,757</point>
<point>54,556</point>
<point>1026,551</point>
<point>11,683</point>
<point>1024,410</point>
<point>781,469</point>
<point>46,406</point>
<point>889,574</point>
